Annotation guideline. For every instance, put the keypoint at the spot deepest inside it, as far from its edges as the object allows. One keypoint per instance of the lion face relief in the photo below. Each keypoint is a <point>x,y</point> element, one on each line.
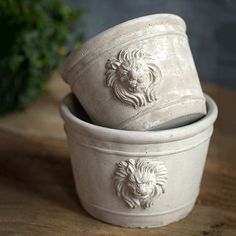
<point>137,182</point>
<point>133,77</point>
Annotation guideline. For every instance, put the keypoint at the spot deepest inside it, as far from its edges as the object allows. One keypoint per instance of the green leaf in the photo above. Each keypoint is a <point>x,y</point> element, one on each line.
<point>34,35</point>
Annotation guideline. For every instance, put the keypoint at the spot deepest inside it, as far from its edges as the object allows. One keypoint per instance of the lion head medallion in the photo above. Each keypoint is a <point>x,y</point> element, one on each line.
<point>138,181</point>
<point>134,77</point>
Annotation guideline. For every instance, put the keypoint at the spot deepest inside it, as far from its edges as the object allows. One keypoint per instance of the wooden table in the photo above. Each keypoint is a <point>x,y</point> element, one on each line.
<point>37,195</point>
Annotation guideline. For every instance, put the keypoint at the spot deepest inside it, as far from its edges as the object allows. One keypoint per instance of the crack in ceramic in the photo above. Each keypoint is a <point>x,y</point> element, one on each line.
<point>138,181</point>
<point>133,76</point>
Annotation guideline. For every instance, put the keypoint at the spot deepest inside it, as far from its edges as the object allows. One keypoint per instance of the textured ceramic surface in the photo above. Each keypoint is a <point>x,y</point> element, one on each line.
<point>139,75</point>
<point>137,178</point>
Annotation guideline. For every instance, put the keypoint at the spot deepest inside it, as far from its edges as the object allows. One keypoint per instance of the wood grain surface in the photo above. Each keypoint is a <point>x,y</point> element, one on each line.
<point>37,195</point>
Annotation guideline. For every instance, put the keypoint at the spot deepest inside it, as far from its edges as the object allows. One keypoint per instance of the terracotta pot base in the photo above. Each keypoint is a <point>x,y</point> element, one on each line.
<point>139,221</point>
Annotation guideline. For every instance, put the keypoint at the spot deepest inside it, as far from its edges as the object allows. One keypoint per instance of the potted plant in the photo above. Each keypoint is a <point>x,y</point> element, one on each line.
<point>33,39</point>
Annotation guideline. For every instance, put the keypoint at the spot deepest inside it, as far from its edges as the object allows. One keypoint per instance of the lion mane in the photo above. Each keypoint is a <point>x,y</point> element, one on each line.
<point>137,182</point>
<point>134,77</point>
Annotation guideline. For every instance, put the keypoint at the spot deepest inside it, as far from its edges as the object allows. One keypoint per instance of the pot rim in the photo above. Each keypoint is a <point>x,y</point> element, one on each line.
<point>91,44</point>
<point>137,137</point>
<point>160,18</point>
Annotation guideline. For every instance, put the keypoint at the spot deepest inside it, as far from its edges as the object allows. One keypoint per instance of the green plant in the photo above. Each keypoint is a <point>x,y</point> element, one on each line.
<point>32,43</point>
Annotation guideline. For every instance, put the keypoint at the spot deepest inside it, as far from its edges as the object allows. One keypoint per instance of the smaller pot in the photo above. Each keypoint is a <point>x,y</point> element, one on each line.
<point>137,179</point>
<point>139,75</point>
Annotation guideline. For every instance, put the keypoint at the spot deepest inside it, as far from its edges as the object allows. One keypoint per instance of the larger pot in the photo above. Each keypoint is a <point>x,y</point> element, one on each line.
<point>140,75</point>
<point>135,178</point>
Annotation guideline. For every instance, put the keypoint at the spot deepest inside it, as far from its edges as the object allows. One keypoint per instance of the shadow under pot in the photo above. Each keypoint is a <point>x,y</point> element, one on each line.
<point>137,178</point>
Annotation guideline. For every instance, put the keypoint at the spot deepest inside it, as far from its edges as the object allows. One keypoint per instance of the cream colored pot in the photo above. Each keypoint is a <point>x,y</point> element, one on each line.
<point>137,178</point>
<point>138,75</point>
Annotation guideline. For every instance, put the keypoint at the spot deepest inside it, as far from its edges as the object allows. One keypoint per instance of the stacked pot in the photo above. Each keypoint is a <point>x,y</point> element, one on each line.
<point>137,123</point>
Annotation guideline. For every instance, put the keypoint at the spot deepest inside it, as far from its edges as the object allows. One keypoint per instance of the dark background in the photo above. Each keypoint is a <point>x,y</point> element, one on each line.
<point>211,27</point>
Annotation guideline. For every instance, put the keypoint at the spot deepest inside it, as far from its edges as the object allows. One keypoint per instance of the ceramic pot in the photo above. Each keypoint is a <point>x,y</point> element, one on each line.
<point>137,178</point>
<point>138,75</point>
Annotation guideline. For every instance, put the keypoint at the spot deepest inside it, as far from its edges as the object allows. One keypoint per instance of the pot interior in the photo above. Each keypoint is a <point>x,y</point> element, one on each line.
<point>77,110</point>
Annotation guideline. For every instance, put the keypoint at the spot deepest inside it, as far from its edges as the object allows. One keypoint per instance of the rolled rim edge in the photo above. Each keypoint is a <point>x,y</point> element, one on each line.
<point>129,136</point>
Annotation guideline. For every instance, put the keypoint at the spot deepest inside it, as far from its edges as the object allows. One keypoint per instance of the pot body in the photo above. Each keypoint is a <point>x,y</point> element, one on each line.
<point>137,179</point>
<point>140,75</point>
